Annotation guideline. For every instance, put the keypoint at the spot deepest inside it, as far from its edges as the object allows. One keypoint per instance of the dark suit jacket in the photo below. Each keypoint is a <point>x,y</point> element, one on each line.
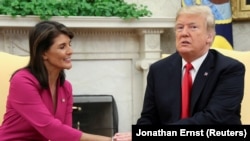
<point>216,95</point>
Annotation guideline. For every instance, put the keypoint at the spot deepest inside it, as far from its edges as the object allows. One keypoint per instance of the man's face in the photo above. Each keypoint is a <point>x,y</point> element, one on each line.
<point>192,37</point>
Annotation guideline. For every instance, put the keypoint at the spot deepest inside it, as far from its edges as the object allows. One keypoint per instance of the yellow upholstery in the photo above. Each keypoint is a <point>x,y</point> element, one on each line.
<point>221,42</point>
<point>243,57</point>
<point>8,64</point>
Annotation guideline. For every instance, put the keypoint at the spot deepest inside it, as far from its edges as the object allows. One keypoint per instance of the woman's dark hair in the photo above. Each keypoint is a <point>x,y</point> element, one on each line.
<point>41,38</point>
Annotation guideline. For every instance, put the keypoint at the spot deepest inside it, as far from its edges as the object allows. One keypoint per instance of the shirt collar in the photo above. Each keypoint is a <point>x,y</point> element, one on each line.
<point>196,63</point>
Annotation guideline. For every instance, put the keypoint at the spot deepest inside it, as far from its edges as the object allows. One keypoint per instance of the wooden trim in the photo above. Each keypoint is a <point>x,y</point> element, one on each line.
<point>240,10</point>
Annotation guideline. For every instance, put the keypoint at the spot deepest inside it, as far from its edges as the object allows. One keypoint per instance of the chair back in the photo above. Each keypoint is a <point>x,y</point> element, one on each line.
<point>9,63</point>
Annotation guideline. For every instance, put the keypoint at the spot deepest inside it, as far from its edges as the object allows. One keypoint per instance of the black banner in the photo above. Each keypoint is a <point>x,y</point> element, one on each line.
<point>201,132</point>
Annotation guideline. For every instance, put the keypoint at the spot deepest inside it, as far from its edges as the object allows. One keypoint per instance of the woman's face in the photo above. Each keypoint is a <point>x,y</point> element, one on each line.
<point>58,57</point>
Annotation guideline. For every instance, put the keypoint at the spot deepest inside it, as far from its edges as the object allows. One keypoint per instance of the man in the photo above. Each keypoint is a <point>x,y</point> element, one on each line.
<point>217,80</point>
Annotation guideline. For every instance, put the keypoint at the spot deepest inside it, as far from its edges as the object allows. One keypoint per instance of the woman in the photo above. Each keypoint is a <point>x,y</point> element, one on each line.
<point>39,105</point>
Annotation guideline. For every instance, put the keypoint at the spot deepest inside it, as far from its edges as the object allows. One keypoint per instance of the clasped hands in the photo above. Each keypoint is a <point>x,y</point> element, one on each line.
<point>123,136</point>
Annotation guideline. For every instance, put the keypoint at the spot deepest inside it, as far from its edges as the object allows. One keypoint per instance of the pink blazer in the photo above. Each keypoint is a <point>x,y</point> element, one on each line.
<point>30,114</point>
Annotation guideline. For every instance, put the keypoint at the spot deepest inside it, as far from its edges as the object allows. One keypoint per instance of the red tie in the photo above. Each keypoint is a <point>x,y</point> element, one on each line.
<point>186,90</point>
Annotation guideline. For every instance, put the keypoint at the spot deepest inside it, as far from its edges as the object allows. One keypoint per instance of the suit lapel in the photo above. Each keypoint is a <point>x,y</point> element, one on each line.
<point>201,79</point>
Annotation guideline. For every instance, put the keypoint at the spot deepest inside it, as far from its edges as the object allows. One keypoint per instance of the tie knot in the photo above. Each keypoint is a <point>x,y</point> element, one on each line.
<point>188,66</point>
